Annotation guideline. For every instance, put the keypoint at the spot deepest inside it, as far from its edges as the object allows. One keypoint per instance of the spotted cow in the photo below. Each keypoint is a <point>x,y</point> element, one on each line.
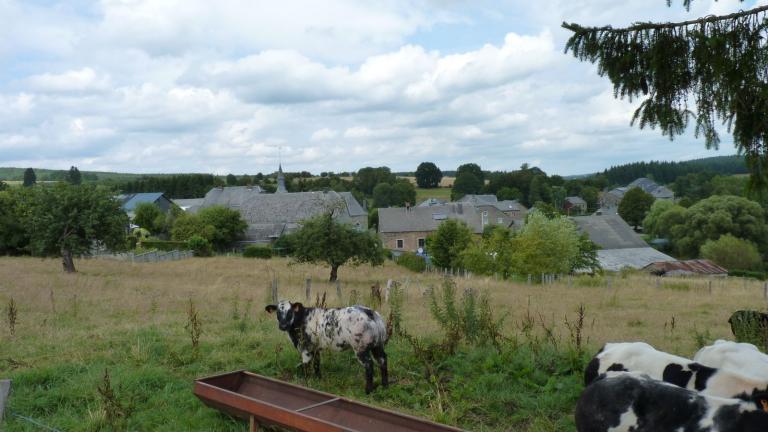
<point>742,357</point>
<point>750,326</point>
<point>643,358</point>
<point>635,402</point>
<point>314,329</point>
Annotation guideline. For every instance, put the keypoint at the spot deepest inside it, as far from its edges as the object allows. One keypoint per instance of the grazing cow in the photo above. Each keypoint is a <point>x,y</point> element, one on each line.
<point>750,326</point>
<point>314,329</point>
<point>634,402</point>
<point>741,357</point>
<point>643,358</point>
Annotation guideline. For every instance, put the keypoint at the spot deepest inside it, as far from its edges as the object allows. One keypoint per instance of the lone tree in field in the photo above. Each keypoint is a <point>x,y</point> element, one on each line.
<point>709,70</point>
<point>67,220</point>
<point>29,177</point>
<point>428,175</point>
<point>634,206</point>
<point>73,176</point>
<point>446,244</point>
<point>323,239</point>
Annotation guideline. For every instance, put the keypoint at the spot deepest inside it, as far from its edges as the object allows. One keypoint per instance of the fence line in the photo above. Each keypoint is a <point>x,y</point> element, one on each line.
<point>152,256</point>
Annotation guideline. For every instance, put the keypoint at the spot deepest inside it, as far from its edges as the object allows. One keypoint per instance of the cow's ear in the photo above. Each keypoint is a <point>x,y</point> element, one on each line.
<point>764,404</point>
<point>297,307</point>
<point>270,308</point>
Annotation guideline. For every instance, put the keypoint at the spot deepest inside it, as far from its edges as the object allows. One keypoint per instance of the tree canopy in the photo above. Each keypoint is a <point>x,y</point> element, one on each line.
<point>150,217</point>
<point>634,206</point>
<point>710,70</point>
<point>733,253</point>
<point>428,175</point>
<point>446,244</point>
<point>29,177</point>
<point>73,176</point>
<point>323,239</point>
<point>66,220</point>
<point>466,183</point>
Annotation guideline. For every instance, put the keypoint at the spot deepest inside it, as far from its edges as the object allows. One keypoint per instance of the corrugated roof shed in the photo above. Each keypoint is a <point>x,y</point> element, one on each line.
<point>637,258</point>
<point>697,266</point>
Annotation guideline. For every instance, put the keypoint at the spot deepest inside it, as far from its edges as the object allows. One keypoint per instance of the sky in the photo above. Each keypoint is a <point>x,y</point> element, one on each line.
<point>235,86</point>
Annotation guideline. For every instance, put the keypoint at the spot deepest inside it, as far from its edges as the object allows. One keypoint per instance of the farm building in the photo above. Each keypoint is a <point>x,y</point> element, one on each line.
<point>129,202</point>
<point>686,268</point>
<point>620,245</point>
<point>610,200</point>
<point>271,215</point>
<point>189,204</point>
<point>574,205</point>
<point>511,208</point>
<point>406,229</point>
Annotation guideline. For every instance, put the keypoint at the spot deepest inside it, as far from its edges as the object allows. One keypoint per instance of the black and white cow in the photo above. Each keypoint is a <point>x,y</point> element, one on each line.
<point>315,329</point>
<point>634,402</point>
<point>741,357</point>
<point>643,358</point>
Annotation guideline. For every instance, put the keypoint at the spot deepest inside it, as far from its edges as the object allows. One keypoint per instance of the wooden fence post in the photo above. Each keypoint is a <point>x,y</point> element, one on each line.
<point>274,289</point>
<point>338,289</point>
<point>5,392</point>
<point>309,289</point>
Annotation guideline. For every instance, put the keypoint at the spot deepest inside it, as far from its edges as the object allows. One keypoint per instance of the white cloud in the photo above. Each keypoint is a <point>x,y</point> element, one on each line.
<point>324,134</point>
<point>82,80</point>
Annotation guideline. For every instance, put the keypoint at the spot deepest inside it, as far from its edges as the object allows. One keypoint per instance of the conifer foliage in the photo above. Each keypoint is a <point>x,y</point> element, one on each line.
<point>710,70</point>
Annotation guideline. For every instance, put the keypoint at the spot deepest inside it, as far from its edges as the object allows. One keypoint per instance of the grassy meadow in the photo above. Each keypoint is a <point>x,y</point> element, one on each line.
<point>132,321</point>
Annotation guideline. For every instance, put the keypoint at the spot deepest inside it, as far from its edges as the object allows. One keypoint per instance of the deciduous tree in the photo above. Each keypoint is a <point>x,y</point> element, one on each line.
<point>29,177</point>
<point>733,253</point>
<point>68,220</point>
<point>446,244</point>
<point>323,239</point>
<point>465,184</point>
<point>73,176</point>
<point>635,205</point>
<point>428,175</point>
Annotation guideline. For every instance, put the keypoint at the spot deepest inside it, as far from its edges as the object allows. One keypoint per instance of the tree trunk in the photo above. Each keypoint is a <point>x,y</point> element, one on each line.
<point>67,261</point>
<point>334,272</point>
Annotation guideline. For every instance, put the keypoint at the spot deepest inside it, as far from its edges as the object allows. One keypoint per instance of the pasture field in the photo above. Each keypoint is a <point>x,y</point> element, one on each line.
<point>128,321</point>
<point>443,193</point>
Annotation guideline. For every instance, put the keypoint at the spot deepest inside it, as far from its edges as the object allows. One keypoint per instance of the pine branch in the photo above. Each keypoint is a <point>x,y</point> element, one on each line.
<point>576,28</point>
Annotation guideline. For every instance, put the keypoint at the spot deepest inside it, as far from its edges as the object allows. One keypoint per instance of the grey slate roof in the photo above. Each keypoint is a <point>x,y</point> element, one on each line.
<point>637,258</point>
<point>232,196</point>
<point>130,201</point>
<point>609,232</point>
<point>396,220</point>
<point>429,202</point>
<point>353,206</point>
<point>574,200</point>
<point>478,199</point>
<point>190,204</point>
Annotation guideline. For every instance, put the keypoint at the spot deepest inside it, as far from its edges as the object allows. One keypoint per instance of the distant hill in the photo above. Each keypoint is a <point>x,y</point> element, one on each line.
<point>17,174</point>
<point>667,172</point>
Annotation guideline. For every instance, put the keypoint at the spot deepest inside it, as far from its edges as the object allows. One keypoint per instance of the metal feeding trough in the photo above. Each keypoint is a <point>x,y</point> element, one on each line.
<point>263,400</point>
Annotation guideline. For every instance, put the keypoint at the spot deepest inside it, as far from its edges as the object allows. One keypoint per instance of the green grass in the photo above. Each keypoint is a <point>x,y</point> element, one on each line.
<point>439,193</point>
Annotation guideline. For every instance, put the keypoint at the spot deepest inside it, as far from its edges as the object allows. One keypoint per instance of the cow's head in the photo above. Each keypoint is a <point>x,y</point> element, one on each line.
<point>287,313</point>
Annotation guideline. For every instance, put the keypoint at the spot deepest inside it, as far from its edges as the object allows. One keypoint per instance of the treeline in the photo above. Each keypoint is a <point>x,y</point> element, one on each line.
<point>175,186</point>
<point>668,172</point>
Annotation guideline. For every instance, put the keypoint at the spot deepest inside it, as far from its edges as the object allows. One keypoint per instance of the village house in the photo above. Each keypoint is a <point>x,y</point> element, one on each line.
<point>574,205</point>
<point>609,201</point>
<point>129,202</point>
<point>269,216</point>
<point>406,229</point>
<point>511,208</point>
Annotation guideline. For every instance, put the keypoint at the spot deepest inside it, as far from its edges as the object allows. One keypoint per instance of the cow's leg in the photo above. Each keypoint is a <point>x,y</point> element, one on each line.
<point>381,359</point>
<point>364,357</point>
<point>316,364</point>
<point>306,359</point>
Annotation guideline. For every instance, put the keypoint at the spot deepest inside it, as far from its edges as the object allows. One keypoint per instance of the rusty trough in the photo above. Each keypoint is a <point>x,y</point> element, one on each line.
<point>268,401</point>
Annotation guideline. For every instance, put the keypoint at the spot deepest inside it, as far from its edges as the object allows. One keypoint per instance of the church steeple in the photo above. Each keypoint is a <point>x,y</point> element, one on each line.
<point>280,180</point>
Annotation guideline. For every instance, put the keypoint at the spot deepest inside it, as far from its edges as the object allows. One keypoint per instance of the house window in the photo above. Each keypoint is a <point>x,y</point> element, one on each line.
<point>421,242</point>
<point>399,243</point>
<point>500,221</point>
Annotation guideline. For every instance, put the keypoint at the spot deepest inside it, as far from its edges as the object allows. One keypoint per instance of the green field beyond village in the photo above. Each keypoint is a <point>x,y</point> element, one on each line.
<point>111,347</point>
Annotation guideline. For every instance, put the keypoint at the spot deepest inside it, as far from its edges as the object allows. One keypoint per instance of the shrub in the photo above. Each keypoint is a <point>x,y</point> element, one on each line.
<point>412,262</point>
<point>748,274</point>
<point>733,253</point>
<point>200,246</point>
<point>264,252</point>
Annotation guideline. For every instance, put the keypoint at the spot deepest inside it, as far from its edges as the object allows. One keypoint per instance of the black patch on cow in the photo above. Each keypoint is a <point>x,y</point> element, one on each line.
<point>590,373</point>
<point>703,374</point>
<point>674,374</point>
<point>367,312</point>
<point>658,407</point>
<point>617,367</point>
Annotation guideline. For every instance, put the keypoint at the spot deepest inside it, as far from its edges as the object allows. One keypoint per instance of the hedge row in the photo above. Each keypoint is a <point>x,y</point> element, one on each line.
<point>164,245</point>
<point>264,252</point>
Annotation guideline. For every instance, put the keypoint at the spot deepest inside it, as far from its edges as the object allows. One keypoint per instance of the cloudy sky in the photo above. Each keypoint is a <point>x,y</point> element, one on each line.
<point>220,86</point>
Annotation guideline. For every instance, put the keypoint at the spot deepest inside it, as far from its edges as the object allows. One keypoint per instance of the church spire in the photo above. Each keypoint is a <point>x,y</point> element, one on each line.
<point>280,180</point>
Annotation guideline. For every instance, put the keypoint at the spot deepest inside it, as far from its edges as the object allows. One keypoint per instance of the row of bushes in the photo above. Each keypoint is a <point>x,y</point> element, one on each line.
<point>412,262</point>
<point>263,252</point>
